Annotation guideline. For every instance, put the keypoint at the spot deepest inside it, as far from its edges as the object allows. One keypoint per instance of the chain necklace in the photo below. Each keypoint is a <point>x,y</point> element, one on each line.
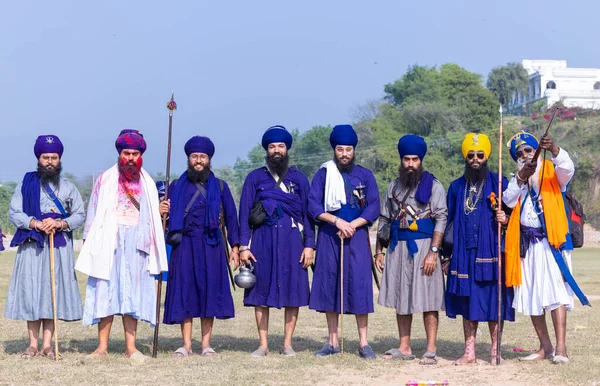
<point>473,195</point>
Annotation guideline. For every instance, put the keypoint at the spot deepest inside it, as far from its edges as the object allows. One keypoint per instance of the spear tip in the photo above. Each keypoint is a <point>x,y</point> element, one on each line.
<point>171,105</point>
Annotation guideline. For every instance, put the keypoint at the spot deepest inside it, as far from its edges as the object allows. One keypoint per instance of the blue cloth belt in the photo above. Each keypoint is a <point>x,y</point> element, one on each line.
<point>425,231</point>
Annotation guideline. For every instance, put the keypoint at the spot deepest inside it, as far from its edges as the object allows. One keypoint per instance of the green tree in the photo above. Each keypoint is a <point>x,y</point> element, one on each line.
<point>505,81</point>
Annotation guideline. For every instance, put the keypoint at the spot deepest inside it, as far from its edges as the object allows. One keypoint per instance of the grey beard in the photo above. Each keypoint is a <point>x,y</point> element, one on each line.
<point>410,179</point>
<point>49,176</point>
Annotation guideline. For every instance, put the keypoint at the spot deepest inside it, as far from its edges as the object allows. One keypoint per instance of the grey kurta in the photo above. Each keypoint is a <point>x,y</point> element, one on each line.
<point>29,294</point>
<point>404,286</point>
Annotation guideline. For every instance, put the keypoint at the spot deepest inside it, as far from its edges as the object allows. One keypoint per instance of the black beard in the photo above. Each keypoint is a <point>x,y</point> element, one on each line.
<point>410,179</point>
<point>476,175</point>
<point>49,175</point>
<point>278,165</point>
<point>198,175</point>
<point>346,168</point>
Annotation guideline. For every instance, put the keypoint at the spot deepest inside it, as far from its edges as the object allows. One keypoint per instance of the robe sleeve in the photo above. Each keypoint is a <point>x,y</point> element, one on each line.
<point>565,169</point>
<point>371,212</point>
<point>92,205</point>
<point>230,216</point>
<point>77,217</point>
<point>16,215</point>
<point>386,208</point>
<point>309,226</point>
<point>511,194</point>
<point>315,197</point>
<point>439,210</point>
<point>246,202</point>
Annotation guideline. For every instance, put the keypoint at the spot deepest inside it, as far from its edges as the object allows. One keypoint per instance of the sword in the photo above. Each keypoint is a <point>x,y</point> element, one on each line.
<point>226,251</point>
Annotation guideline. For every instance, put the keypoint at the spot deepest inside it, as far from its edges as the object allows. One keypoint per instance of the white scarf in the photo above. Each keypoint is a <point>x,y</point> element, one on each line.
<point>335,192</point>
<point>97,254</point>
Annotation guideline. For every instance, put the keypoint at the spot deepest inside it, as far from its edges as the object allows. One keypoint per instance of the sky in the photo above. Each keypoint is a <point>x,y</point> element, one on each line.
<point>85,70</point>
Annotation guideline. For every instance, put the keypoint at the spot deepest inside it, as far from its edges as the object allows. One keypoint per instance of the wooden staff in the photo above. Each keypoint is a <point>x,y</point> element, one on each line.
<point>172,106</point>
<point>53,284</point>
<point>342,290</point>
<point>499,241</point>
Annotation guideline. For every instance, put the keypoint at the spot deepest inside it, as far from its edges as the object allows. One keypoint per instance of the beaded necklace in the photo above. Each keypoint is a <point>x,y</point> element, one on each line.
<point>473,195</point>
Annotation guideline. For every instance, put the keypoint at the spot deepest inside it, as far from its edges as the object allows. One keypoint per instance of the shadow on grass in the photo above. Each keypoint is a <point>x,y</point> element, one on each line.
<point>167,345</point>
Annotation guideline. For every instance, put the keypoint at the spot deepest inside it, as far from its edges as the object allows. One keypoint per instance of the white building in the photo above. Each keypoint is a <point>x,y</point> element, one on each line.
<point>552,81</point>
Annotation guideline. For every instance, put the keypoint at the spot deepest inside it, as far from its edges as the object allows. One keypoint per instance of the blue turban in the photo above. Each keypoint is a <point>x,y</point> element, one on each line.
<point>343,135</point>
<point>521,138</point>
<point>200,144</point>
<point>277,133</point>
<point>131,139</point>
<point>48,144</point>
<point>412,145</point>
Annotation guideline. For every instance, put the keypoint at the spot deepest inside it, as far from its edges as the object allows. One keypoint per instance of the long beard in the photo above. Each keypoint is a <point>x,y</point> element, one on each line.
<point>476,175</point>
<point>49,175</point>
<point>409,178</point>
<point>130,170</point>
<point>198,175</point>
<point>278,165</point>
<point>344,168</point>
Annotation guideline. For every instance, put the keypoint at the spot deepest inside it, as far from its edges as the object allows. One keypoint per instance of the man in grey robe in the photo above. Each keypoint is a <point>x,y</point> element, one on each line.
<point>43,204</point>
<point>411,227</point>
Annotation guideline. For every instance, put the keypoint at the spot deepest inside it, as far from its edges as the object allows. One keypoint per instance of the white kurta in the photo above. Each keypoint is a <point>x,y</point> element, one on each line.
<point>543,286</point>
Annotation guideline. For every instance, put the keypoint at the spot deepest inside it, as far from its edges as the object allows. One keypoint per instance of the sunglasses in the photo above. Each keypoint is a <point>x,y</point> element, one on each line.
<point>525,150</point>
<point>479,155</point>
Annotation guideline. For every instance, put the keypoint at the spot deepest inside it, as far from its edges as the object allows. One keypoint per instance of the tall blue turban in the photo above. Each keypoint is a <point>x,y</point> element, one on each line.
<point>277,133</point>
<point>48,144</point>
<point>412,145</point>
<point>343,135</point>
<point>521,138</point>
<point>199,144</point>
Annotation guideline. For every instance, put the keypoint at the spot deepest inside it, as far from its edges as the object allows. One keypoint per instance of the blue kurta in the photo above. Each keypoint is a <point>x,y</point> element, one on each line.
<point>475,296</point>
<point>358,282</point>
<point>277,245</point>
<point>198,281</point>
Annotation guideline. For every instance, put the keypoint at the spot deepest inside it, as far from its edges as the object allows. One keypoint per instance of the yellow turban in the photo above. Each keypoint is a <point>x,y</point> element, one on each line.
<point>475,142</point>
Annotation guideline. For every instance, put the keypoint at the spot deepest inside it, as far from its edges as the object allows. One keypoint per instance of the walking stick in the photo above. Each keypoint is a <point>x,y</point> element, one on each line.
<point>53,284</point>
<point>342,289</point>
<point>373,268</point>
<point>172,106</point>
<point>499,241</point>
<point>226,250</point>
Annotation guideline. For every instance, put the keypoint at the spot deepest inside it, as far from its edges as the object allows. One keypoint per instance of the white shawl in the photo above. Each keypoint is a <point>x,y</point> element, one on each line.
<point>97,254</point>
<point>335,192</point>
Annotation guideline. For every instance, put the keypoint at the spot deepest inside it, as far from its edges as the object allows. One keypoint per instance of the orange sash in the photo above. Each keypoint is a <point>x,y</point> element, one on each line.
<point>555,217</point>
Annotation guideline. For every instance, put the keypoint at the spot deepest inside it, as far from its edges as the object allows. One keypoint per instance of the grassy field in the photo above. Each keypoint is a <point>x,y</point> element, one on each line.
<point>235,339</point>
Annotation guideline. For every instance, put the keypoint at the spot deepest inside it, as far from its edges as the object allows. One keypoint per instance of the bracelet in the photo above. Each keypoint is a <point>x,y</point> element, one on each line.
<point>378,253</point>
<point>243,250</point>
<point>336,220</point>
<point>35,225</point>
<point>519,177</point>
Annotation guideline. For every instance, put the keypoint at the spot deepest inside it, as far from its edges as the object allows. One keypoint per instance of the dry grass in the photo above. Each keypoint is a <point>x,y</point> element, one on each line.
<point>235,339</point>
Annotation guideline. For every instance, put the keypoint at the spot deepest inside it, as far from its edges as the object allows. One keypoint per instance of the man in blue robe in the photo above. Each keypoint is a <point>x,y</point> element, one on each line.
<point>282,245</point>
<point>198,278</point>
<point>472,288</point>
<point>43,204</point>
<point>344,201</point>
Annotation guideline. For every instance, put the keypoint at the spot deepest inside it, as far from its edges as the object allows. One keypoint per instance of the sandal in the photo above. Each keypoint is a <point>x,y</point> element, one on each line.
<point>48,352</point>
<point>181,352</point>
<point>428,359</point>
<point>29,353</point>
<point>208,352</point>
<point>394,353</point>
